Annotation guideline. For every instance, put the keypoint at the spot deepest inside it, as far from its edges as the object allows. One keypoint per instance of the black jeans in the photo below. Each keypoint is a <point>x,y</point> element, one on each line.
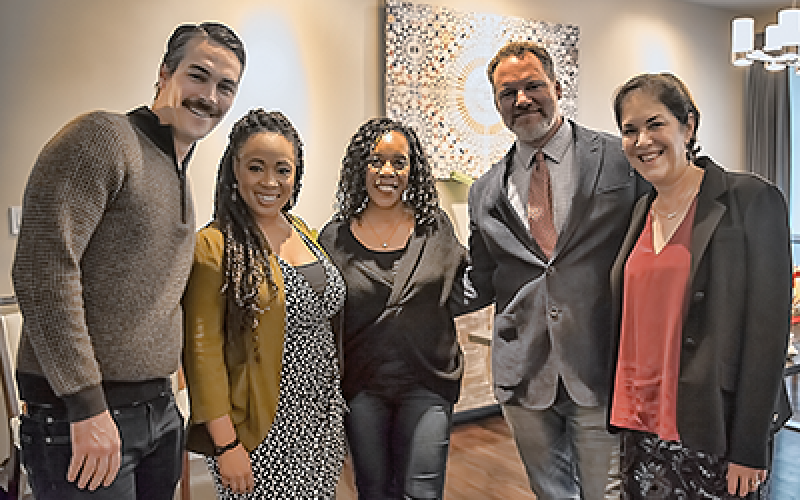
<point>399,443</point>
<point>152,448</point>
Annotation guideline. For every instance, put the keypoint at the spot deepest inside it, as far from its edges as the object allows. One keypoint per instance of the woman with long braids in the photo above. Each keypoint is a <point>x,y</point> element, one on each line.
<point>402,263</point>
<point>260,357</point>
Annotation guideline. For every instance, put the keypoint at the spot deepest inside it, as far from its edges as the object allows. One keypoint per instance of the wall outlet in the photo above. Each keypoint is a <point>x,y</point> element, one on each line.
<point>14,220</point>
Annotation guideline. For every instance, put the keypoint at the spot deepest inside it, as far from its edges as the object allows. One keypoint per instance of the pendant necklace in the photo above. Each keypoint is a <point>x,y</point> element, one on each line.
<point>682,204</point>
<point>385,241</point>
<point>668,216</point>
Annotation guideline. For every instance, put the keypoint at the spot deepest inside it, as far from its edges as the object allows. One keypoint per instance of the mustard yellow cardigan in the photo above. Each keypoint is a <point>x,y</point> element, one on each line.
<point>240,378</point>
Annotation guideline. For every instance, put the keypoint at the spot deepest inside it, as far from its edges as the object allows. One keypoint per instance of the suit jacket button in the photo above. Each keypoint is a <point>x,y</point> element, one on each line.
<point>698,296</point>
<point>550,270</point>
<point>553,313</point>
<point>690,341</point>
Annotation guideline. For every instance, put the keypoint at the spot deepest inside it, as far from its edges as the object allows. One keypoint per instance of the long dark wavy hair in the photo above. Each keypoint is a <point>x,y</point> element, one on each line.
<point>245,260</point>
<point>351,195</point>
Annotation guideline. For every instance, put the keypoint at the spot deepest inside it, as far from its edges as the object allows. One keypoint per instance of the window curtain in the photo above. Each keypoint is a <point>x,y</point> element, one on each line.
<point>767,139</point>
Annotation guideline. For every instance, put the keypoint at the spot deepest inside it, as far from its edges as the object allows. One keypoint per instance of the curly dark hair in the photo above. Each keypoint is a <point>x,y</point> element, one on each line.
<point>246,251</point>
<point>670,91</point>
<point>351,195</point>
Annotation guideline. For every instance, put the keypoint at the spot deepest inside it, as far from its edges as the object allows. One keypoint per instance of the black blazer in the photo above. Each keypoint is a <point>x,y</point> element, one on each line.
<point>731,393</point>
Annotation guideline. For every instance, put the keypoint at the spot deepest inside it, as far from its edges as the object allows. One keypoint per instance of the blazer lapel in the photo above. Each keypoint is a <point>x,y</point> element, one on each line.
<point>500,208</point>
<point>707,214</point>
<point>588,156</point>
<point>638,219</point>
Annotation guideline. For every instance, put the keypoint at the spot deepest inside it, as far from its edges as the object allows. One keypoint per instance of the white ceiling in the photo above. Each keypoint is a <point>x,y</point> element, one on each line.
<point>743,4</point>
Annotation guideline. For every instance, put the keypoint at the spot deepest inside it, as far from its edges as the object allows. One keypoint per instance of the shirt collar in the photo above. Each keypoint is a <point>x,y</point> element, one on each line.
<point>554,150</point>
<point>147,121</point>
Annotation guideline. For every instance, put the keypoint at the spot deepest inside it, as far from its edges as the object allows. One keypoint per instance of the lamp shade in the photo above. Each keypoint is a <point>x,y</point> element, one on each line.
<point>789,21</point>
<point>773,38</point>
<point>742,34</point>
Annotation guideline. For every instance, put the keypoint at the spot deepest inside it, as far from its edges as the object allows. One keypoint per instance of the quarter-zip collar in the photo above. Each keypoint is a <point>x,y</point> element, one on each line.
<point>145,120</point>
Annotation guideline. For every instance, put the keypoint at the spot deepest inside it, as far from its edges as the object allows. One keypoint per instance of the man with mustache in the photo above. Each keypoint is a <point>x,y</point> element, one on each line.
<point>546,222</point>
<point>103,256</point>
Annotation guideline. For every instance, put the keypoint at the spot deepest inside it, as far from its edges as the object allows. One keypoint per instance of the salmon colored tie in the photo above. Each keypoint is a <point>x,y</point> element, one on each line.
<point>540,205</point>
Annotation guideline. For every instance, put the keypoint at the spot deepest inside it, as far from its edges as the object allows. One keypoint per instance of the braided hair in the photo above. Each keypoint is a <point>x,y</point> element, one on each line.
<point>351,195</point>
<point>245,259</point>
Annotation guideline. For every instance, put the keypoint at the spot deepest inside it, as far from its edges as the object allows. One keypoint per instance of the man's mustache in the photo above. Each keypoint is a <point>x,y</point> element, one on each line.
<point>202,105</point>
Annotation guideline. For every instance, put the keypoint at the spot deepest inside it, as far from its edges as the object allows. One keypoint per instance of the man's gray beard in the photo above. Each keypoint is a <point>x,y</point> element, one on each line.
<point>534,133</point>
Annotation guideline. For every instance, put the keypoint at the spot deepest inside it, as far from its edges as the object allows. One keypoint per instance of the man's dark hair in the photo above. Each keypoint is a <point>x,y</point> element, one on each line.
<point>519,49</point>
<point>216,32</point>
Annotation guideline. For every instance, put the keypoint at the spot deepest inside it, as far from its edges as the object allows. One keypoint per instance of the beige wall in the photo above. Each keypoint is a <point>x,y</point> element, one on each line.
<point>320,61</point>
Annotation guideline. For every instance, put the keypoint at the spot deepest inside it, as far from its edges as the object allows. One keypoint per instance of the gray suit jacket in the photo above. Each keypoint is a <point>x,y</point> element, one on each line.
<point>553,319</point>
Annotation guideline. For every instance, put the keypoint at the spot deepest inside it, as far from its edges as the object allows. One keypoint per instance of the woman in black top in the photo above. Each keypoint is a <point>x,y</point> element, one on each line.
<point>402,264</point>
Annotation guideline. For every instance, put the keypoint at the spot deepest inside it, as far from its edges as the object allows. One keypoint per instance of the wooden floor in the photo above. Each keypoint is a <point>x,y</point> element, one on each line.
<point>483,464</point>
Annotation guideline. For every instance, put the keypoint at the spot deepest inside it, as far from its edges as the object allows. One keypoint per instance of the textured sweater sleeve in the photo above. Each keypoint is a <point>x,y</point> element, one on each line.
<point>69,189</point>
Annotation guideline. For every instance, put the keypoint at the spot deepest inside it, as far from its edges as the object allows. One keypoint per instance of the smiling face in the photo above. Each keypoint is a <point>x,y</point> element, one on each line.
<point>265,172</point>
<point>526,98</point>
<point>654,141</point>
<point>388,168</point>
<point>197,95</point>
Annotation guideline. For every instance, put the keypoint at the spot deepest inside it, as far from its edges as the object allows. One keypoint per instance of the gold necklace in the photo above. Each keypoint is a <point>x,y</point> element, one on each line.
<point>668,215</point>
<point>386,241</point>
<point>682,204</point>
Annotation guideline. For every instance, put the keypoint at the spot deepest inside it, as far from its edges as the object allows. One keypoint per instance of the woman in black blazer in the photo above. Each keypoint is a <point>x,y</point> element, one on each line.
<point>702,290</point>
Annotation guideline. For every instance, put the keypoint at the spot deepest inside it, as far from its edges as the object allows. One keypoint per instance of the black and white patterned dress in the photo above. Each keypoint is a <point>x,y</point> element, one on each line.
<point>302,455</point>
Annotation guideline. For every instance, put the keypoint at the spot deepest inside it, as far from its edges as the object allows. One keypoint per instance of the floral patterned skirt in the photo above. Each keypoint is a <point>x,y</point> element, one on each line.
<point>655,469</point>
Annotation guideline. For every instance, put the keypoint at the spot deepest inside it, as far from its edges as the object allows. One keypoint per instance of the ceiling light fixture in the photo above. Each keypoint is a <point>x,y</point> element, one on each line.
<point>781,41</point>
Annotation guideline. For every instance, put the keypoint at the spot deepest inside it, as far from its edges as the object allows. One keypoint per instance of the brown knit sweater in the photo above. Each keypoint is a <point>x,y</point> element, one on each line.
<point>102,259</point>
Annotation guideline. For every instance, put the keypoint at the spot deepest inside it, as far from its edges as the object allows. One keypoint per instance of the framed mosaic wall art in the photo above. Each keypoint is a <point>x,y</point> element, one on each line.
<point>436,80</point>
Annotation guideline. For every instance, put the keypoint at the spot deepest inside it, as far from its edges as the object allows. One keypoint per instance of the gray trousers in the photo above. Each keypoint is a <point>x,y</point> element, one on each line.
<point>567,451</point>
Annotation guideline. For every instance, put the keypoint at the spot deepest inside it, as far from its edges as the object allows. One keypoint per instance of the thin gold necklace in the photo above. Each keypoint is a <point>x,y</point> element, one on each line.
<point>682,204</point>
<point>385,241</point>
<point>671,215</point>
